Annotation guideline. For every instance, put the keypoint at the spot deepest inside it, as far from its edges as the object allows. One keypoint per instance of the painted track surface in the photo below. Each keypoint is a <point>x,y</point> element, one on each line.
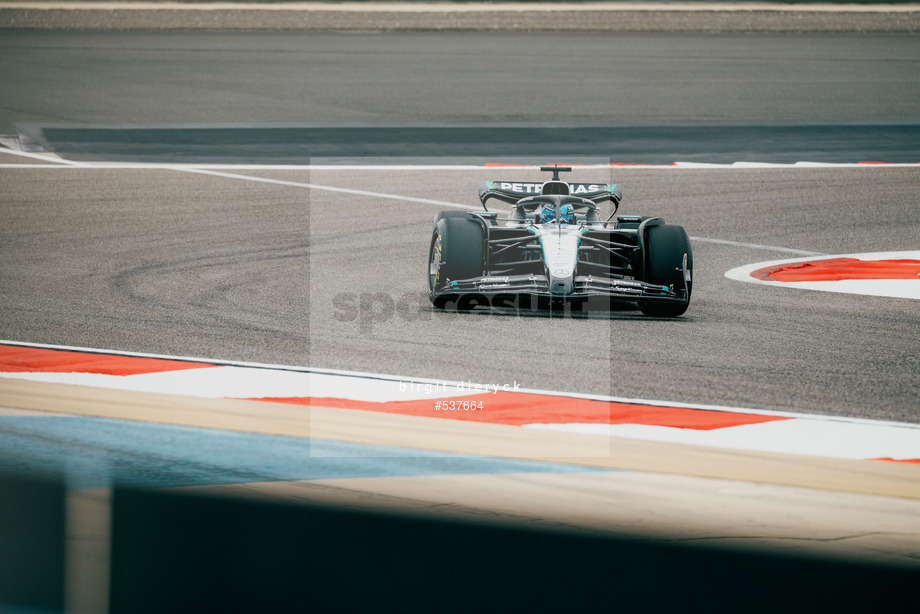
<point>594,415</point>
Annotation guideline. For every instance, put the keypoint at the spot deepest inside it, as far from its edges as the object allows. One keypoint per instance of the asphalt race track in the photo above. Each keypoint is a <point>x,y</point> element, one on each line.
<point>220,266</point>
<point>161,193</point>
<point>123,262</point>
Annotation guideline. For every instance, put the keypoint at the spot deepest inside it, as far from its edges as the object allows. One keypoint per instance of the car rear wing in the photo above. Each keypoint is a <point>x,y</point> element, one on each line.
<point>512,191</point>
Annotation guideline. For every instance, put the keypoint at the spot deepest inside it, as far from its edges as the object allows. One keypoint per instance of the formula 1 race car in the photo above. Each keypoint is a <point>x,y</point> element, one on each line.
<point>554,246</point>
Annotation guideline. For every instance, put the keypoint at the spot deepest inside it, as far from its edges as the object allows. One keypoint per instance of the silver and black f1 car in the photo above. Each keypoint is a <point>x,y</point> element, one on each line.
<point>554,246</point>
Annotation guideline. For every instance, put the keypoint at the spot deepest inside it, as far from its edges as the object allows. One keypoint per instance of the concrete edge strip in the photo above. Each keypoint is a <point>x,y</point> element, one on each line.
<point>758,17</point>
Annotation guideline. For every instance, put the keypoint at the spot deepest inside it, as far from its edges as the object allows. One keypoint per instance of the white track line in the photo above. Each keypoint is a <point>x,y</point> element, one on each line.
<point>445,204</point>
<point>58,161</point>
<point>55,161</point>
<point>756,246</point>
<point>35,166</point>
<point>326,188</point>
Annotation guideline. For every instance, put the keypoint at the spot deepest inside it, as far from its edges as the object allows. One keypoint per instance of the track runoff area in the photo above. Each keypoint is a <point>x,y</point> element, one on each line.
<point>804,484</point>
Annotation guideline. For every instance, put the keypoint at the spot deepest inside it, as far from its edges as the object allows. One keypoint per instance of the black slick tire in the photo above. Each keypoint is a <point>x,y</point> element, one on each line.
<point>456,252</point>
<point>665,246</point>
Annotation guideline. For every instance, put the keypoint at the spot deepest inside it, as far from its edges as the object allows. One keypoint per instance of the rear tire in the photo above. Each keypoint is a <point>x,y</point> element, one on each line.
<point>665,247</point>
<point>456,252</point>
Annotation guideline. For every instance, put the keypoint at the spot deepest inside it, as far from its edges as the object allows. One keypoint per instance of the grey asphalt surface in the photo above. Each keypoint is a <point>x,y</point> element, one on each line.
<point>172,262</point>
<point>112,78</point>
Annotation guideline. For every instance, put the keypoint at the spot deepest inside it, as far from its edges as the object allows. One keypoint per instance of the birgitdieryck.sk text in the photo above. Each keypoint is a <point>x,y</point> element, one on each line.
<point>462,387</point>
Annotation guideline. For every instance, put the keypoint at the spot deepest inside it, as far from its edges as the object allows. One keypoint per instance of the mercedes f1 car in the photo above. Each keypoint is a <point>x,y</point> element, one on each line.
<point>554,246</point>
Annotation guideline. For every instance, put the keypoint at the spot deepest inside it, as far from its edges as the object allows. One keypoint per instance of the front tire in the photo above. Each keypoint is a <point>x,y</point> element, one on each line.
<point>456,252</point>
<point>665,247</point>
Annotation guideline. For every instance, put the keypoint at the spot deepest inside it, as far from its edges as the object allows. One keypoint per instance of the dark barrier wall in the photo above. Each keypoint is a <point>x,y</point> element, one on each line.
<point>180,553</point>
<point>31,544</point>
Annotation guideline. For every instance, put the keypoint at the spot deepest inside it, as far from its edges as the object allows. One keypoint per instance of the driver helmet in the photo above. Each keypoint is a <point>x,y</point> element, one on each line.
<point>566,214</point>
